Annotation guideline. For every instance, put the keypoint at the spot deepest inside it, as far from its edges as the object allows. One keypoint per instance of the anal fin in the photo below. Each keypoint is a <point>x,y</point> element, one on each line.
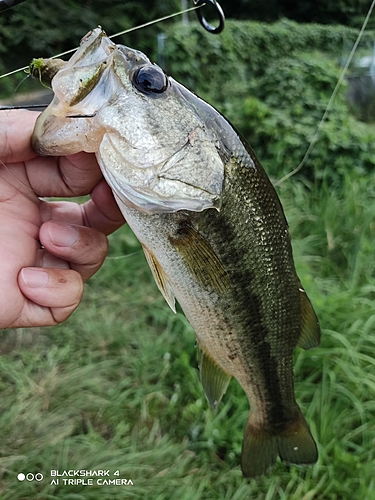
<point>310,329</point>
<point>214,379</point>
<point>161,278</point>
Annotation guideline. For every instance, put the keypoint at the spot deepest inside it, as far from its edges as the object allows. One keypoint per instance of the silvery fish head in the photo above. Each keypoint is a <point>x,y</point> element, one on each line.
<point>154,140</point>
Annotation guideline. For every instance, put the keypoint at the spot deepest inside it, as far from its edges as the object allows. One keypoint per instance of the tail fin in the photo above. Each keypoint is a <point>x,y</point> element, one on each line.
<point>261,446</point>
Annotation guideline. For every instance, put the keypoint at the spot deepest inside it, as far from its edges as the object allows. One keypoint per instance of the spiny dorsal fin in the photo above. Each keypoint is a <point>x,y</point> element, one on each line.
<point>310,329</point>
<point>161,278</point>
<point>214,380</point>
<point>200,259</point>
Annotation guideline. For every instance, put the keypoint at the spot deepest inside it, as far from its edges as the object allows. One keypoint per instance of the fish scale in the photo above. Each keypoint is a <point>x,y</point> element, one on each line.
<point>211,225</point>
<point>244,307</point>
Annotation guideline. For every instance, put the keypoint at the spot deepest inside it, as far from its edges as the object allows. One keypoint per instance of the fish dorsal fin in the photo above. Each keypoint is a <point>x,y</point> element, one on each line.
<point>161,278</point>
<point>214,380</point>
<point>200,259</point>
<point>310,329</point>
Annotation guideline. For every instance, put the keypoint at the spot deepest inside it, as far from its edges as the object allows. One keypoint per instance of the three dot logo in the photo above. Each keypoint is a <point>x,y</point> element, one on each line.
<point>30,476</point>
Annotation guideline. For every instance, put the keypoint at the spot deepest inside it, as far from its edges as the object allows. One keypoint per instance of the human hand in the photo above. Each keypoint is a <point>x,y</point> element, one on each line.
<point>42,285</point>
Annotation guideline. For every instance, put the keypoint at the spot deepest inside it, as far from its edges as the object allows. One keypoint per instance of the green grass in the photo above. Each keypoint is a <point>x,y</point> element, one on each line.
<point>117,387</point>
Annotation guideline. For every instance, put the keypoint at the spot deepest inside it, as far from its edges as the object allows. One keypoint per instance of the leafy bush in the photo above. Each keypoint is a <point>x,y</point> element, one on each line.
<point>281,116</point>
<point>244,49</point>
<point>45,28</point>
<point>273,85</point>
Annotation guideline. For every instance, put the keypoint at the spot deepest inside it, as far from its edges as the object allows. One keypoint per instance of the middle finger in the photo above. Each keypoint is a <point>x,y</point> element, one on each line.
<point>82,247</point>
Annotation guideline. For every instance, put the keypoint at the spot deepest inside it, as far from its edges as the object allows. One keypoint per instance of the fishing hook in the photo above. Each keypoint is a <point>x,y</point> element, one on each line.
<point>208,27</point>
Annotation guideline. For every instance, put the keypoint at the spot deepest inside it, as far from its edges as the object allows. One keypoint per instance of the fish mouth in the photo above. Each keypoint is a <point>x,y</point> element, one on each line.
<point>149,168</point>
<point>87,81</point>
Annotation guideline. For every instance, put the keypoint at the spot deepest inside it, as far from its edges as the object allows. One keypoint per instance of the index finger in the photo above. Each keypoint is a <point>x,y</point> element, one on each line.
<point>74,175</point>
<point>16,128</point>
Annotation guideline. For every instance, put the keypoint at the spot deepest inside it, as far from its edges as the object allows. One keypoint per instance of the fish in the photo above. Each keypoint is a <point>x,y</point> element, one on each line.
<point>211,225</point>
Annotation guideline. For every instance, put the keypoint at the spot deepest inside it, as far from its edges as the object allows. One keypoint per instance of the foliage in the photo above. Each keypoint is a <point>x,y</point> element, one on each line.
<point>347,12</point>
<point>344,12</point>
<point>41,28</point>
<point>281,116</point>
<point>45,28</point>
<point>274,86</point>
<point>244,50</point>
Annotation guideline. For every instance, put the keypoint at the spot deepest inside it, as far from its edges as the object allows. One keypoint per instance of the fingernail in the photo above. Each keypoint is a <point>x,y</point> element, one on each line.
<point>63,235</point>
<point>34,278</point>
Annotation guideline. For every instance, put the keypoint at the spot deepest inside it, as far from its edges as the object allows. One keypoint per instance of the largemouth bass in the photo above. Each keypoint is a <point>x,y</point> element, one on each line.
<point>211,225</point>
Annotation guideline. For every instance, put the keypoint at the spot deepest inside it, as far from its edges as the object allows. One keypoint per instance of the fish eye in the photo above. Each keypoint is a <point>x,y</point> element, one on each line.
<point>150,79</point>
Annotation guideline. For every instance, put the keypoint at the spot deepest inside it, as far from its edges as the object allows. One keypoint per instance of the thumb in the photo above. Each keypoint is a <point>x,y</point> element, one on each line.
<point>53,295</point>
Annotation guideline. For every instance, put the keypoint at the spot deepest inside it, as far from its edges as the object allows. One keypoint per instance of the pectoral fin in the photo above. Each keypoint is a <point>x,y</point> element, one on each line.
<point>161,278</point>
<point>214,380</point>
<point>200,259</point>
<point>310,329</point>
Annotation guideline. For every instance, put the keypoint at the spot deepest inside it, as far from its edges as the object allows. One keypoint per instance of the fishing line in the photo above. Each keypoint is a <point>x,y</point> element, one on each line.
<point>149,23</point>
<point>122,257</point>
<point>331,100</point>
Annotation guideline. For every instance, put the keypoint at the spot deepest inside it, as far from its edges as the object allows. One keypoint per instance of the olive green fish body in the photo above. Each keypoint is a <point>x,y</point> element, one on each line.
<point>245,307</point>
<point>211,225</point>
